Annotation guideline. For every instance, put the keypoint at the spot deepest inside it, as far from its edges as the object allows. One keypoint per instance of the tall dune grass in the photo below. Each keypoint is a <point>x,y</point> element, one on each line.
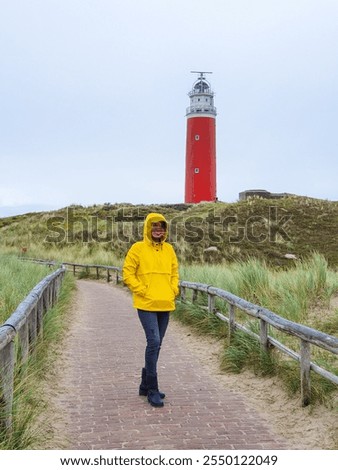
<point>302,294</point>
<point>290,293</point>
<point>17,279</point>
<point>83,253</point>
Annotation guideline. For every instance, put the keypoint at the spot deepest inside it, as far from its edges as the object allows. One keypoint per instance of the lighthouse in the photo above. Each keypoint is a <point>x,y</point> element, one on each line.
<point>200,162</point>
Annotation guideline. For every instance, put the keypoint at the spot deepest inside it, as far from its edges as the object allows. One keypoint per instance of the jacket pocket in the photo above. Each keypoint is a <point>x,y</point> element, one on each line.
<point>160,288</point>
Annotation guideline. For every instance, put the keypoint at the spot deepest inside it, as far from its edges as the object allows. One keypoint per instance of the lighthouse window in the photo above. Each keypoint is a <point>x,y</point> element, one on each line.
<point>197,170</point>
<point>197,137</point>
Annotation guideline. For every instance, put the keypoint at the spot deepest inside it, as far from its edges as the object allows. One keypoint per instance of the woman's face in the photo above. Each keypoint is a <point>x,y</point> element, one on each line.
<point>157,231</point>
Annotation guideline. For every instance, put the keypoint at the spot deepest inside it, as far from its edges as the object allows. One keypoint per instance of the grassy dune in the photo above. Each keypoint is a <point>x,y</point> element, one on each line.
<point>201,233</point>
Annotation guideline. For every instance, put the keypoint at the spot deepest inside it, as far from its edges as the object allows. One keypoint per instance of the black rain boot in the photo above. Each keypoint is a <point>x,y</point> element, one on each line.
<point>143,389</point>
<point>153,393</point>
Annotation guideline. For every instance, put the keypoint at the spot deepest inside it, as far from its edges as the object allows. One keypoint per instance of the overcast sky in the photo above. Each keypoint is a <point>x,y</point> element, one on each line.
<point>94,95</point>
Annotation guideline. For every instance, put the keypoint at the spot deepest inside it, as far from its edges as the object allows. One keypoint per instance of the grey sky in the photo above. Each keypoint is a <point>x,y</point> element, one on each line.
<point>94,92</point>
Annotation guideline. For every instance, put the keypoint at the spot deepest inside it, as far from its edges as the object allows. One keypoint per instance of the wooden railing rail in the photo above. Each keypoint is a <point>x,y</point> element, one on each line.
<point>88,267</point>
<point>18,336</point>
<point>306,335</point>
<point>98,268</point>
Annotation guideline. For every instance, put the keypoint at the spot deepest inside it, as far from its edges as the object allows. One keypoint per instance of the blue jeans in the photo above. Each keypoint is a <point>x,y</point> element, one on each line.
<point>154,325</point>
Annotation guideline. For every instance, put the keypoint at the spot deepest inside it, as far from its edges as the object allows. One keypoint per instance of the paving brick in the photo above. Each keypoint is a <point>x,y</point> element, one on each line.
<point>98,398</point>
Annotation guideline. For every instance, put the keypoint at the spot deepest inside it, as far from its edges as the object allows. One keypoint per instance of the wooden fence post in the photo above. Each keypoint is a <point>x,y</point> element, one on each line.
<point>55,290</point>
<point>32,325</point>
<point>44,302</point>
<point>39,308</point>
<point>24,342</point>
<point>50,295</point>
<point>232,322</point>
<point>264,335</point>
<point>183,294</point>
<point>211,303</point>
<point>305,363</point>
<point>7,361</point>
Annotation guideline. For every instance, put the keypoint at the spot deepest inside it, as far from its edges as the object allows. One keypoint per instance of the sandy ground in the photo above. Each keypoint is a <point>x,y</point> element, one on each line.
<point>312,427</point>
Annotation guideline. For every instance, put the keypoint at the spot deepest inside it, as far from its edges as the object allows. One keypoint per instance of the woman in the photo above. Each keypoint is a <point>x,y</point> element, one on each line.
<point>150,271</point>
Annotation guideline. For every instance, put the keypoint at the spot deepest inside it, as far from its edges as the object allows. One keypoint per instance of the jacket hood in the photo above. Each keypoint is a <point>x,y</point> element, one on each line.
<point>150,219</point>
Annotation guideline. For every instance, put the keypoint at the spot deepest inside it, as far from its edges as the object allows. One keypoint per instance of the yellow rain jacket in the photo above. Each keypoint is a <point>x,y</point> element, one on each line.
<point>150,271</point>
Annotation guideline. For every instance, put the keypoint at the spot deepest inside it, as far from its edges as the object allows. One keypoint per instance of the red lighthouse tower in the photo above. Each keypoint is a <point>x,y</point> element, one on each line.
<point>200,164</point>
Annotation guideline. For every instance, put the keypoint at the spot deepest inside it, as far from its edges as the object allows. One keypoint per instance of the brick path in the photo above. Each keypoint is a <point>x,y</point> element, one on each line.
<point>99,401</point>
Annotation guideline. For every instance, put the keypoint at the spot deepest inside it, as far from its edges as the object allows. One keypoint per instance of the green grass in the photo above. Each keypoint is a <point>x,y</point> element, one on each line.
<point>245,352</point>
<point>291,293</point>
<point>17,279</point>
<point>28,432</point>
<point>200,320</point>
<point>302,294</point>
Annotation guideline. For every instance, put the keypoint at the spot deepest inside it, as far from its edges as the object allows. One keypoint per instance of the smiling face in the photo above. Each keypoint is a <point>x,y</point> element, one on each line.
<point>157,231</point>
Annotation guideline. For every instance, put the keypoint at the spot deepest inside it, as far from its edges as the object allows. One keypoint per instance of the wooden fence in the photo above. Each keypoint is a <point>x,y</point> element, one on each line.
<point>306,335</point>
<point>98,268</point>
<point>18,336</point>
<point>79,268</point>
